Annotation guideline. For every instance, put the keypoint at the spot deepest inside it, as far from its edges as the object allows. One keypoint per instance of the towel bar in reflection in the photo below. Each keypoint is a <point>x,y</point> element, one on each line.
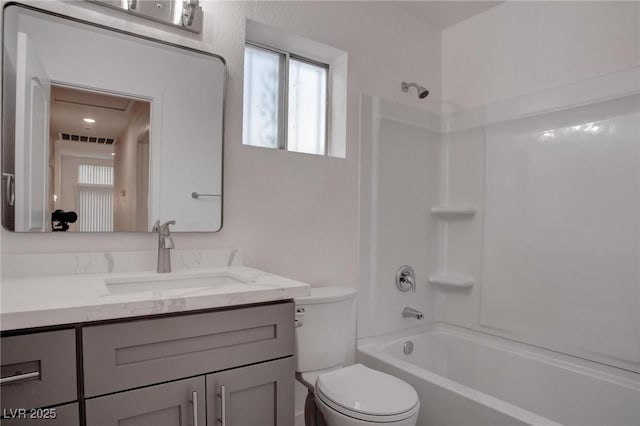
<point>197,195</point>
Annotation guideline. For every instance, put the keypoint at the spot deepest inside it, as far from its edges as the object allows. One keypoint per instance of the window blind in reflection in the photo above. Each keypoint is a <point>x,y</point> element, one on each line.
<point>94,198</point>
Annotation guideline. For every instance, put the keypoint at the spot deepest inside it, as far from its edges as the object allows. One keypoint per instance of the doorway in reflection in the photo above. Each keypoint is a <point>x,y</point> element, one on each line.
<point>99,160</point>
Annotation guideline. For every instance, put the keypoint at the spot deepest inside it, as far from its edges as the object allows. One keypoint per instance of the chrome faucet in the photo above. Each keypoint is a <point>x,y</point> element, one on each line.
<point>408,312</point>
<point>165,243</point>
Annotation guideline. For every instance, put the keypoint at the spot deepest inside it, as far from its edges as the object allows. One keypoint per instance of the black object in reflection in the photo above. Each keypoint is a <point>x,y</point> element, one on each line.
<point>60,220</point>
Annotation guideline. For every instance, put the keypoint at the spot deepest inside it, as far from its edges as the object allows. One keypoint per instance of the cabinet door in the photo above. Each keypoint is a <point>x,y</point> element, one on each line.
<point>179,403</point>
<point>257,395</point>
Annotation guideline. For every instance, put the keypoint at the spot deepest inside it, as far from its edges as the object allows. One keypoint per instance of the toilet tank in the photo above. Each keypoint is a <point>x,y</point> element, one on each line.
<point>326,328</point>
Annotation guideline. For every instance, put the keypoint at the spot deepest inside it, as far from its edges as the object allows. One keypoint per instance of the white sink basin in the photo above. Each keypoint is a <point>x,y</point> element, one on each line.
<point>170,281</point>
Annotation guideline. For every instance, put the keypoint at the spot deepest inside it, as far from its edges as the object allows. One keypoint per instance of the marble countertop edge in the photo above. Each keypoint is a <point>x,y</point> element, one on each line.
<point>41,301</point>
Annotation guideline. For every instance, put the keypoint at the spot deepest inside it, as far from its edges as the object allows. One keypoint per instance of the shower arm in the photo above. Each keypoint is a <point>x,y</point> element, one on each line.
<point>422,91</point>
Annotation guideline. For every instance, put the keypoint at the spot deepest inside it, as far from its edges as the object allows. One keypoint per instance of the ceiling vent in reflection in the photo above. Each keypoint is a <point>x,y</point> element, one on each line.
<point>89,139</point>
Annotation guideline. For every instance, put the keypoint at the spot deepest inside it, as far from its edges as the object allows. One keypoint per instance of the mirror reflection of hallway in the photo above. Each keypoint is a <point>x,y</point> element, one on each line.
<point>183,88</point>
<point>99,159</point>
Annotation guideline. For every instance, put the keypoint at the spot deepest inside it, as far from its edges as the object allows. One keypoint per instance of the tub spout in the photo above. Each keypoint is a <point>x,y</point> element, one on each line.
<point>408,312</point>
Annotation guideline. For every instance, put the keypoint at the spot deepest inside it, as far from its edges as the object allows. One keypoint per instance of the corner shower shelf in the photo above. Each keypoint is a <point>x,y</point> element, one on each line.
<point>454,212</point>
<point>451,281</point>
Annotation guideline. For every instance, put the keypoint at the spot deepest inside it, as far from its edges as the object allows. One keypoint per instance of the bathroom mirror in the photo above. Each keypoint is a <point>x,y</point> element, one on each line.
<point>106,131</point>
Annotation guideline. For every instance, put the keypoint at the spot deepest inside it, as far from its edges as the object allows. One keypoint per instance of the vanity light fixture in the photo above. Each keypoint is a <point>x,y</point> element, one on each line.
<point>89,120</point>
<point>185,14</point>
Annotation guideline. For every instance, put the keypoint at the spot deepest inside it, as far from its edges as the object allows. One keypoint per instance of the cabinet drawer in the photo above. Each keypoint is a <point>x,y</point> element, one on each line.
<point>63,415</point>
<point>139,353</point>
<point>39,369</point>
<point>169,404</point>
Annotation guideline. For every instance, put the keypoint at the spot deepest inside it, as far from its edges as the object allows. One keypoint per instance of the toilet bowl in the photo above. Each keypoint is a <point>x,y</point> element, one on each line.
<point>345,394</point>
<point>358,395</point>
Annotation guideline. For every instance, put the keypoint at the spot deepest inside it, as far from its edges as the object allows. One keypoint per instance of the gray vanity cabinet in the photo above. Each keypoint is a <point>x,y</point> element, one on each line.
<point>179,403</point>
<point>173,370</point>
<point>257,395</point>
<point>148,372</point>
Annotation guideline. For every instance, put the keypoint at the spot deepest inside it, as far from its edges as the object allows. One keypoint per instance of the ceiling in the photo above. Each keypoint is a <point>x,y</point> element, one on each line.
<point>443,14</point>
<point>70,106</point>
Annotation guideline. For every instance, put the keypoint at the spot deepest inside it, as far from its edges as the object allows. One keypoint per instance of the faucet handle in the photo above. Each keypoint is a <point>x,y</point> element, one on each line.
<point>164,228</point>
<point>167,243</point>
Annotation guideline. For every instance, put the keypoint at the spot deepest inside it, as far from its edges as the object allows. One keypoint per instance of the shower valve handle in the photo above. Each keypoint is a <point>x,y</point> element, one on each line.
<point>405,279</point>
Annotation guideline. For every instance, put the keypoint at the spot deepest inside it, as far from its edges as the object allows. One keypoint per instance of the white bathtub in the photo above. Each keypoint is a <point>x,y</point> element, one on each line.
<point>466,378</point>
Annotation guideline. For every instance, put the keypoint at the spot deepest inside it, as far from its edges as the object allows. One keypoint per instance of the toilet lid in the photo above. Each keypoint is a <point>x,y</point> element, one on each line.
<point>359,389</point>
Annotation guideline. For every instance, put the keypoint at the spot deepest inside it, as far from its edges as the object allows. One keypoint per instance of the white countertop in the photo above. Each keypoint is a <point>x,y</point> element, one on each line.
<point>35,301</point>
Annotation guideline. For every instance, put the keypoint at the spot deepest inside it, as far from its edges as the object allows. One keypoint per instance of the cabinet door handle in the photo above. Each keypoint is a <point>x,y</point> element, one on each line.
<point>223,406</point>
<point>194,400</point>
<point>10,189</point>
<point>19,378</point>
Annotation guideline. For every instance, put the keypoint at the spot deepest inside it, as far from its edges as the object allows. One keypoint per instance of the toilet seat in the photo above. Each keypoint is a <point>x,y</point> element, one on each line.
<point>365,394</point>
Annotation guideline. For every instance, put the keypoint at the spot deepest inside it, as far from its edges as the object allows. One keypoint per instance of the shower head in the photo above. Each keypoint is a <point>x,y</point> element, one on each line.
<point>422,92</point>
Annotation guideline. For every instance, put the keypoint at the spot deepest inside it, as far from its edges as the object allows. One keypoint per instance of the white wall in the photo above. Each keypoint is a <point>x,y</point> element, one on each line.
<point>294,214</point>
<point>125,179</point>
<point>522,47</point>
<point>554,246</point>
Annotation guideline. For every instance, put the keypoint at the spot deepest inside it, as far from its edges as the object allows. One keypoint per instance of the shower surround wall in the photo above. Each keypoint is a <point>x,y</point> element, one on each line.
<point>401,160</point>
<point>555,244</point>
<point>540,134</point>
<point>552,250</point>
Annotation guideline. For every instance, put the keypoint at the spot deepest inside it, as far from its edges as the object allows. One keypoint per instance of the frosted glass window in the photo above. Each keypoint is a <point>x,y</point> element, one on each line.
<point>285,101</point>
<point>263,73</point>
<point>307,113</point>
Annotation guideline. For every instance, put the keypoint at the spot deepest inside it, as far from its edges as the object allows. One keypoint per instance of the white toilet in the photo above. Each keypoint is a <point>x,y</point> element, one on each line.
<point>345,394</point>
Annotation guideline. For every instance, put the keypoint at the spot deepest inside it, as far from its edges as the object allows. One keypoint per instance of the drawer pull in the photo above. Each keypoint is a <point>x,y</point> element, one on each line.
<point>20,378</point>
<point>223,406</point>
<point>194,401</point>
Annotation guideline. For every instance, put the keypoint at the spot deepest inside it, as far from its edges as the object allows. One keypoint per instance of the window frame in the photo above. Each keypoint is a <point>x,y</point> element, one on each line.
<point>283,96</point>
